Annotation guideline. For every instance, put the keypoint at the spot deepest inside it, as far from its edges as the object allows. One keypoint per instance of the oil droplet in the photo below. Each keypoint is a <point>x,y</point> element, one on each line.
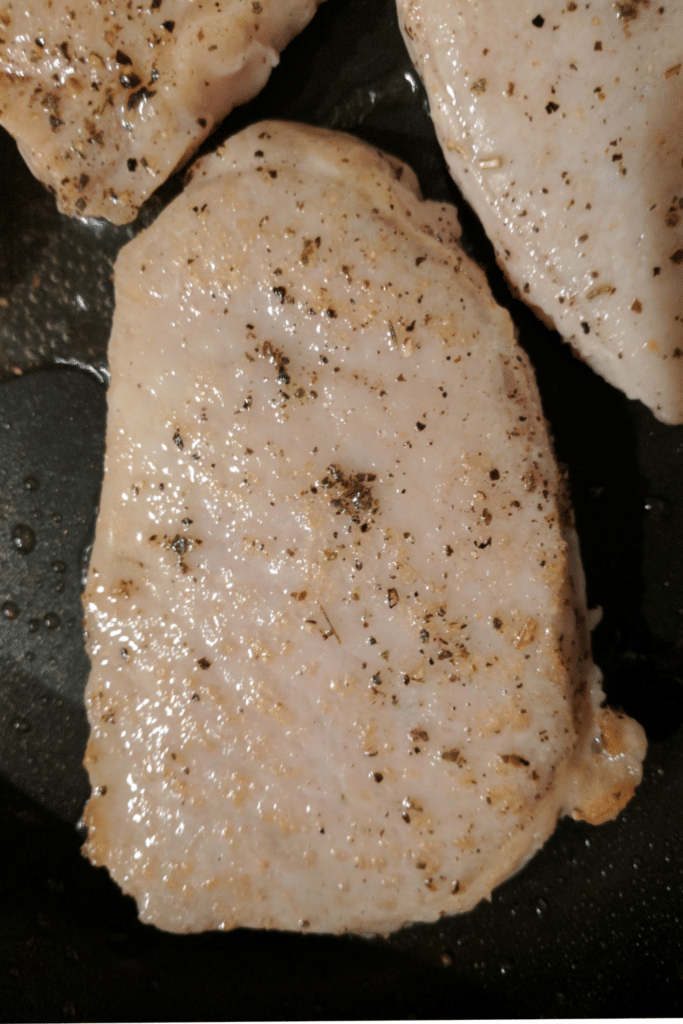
<point>23,538</point>
<point>658,509</point>
<point>10,610</point>
<point>31,483</point>
<point>51,620</point>
<point>541,907</point>
<point>33,625</point>
<point>20,724</point>
<point>58,566</point>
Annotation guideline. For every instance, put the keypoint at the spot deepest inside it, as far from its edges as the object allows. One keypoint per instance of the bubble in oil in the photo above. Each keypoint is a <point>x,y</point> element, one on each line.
<point>51,620</point>
<point>31,483</point>
<point>658,509</point>
<point>20,724</point>
<point>23,538</point>
<point>33,625</point>
<point>10,610</point>
<point>58,566</point>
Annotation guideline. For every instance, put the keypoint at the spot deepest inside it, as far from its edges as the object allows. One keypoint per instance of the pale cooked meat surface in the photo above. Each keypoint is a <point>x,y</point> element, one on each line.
<point>561,123</point>
<point>107,99</point>
<point>341,677</point>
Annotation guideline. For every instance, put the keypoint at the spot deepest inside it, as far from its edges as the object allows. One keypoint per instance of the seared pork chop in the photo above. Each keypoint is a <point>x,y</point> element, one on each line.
<point>106,100</point>
<point>561,124</point>
<point>341,675</point>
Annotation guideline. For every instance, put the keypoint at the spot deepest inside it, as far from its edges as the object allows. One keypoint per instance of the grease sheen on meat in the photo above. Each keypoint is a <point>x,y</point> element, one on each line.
<point>561,123</point>
<point>341,677</point>
<point>107,98</point>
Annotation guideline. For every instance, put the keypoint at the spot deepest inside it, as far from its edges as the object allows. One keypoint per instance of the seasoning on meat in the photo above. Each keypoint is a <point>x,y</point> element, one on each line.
<point>571,157</point>
<point>358,689</point>
<point>106,100</point>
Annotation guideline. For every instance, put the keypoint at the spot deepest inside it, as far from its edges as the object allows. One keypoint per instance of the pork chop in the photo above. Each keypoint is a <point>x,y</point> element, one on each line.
<point>561,124</point>
<point>106,100</point>
<point>341,676</point>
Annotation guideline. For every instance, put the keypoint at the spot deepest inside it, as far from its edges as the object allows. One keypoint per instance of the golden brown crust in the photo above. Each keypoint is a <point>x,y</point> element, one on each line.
<point>617,768</point>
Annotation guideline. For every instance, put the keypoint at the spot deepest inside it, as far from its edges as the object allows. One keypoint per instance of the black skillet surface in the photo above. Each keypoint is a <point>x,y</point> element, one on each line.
<point>593,927</point>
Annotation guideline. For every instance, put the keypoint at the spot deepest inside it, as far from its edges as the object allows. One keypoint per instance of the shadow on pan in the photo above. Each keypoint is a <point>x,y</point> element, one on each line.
<point>594,925</point>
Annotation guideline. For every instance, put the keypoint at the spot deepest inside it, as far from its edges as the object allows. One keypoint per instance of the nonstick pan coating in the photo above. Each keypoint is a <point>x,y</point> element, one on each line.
<point>593,926</point>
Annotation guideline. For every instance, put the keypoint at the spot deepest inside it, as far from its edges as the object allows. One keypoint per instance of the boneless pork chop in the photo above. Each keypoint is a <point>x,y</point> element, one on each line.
<point>107,99</point>
<point>341,677</point>
<point>561,123</point>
